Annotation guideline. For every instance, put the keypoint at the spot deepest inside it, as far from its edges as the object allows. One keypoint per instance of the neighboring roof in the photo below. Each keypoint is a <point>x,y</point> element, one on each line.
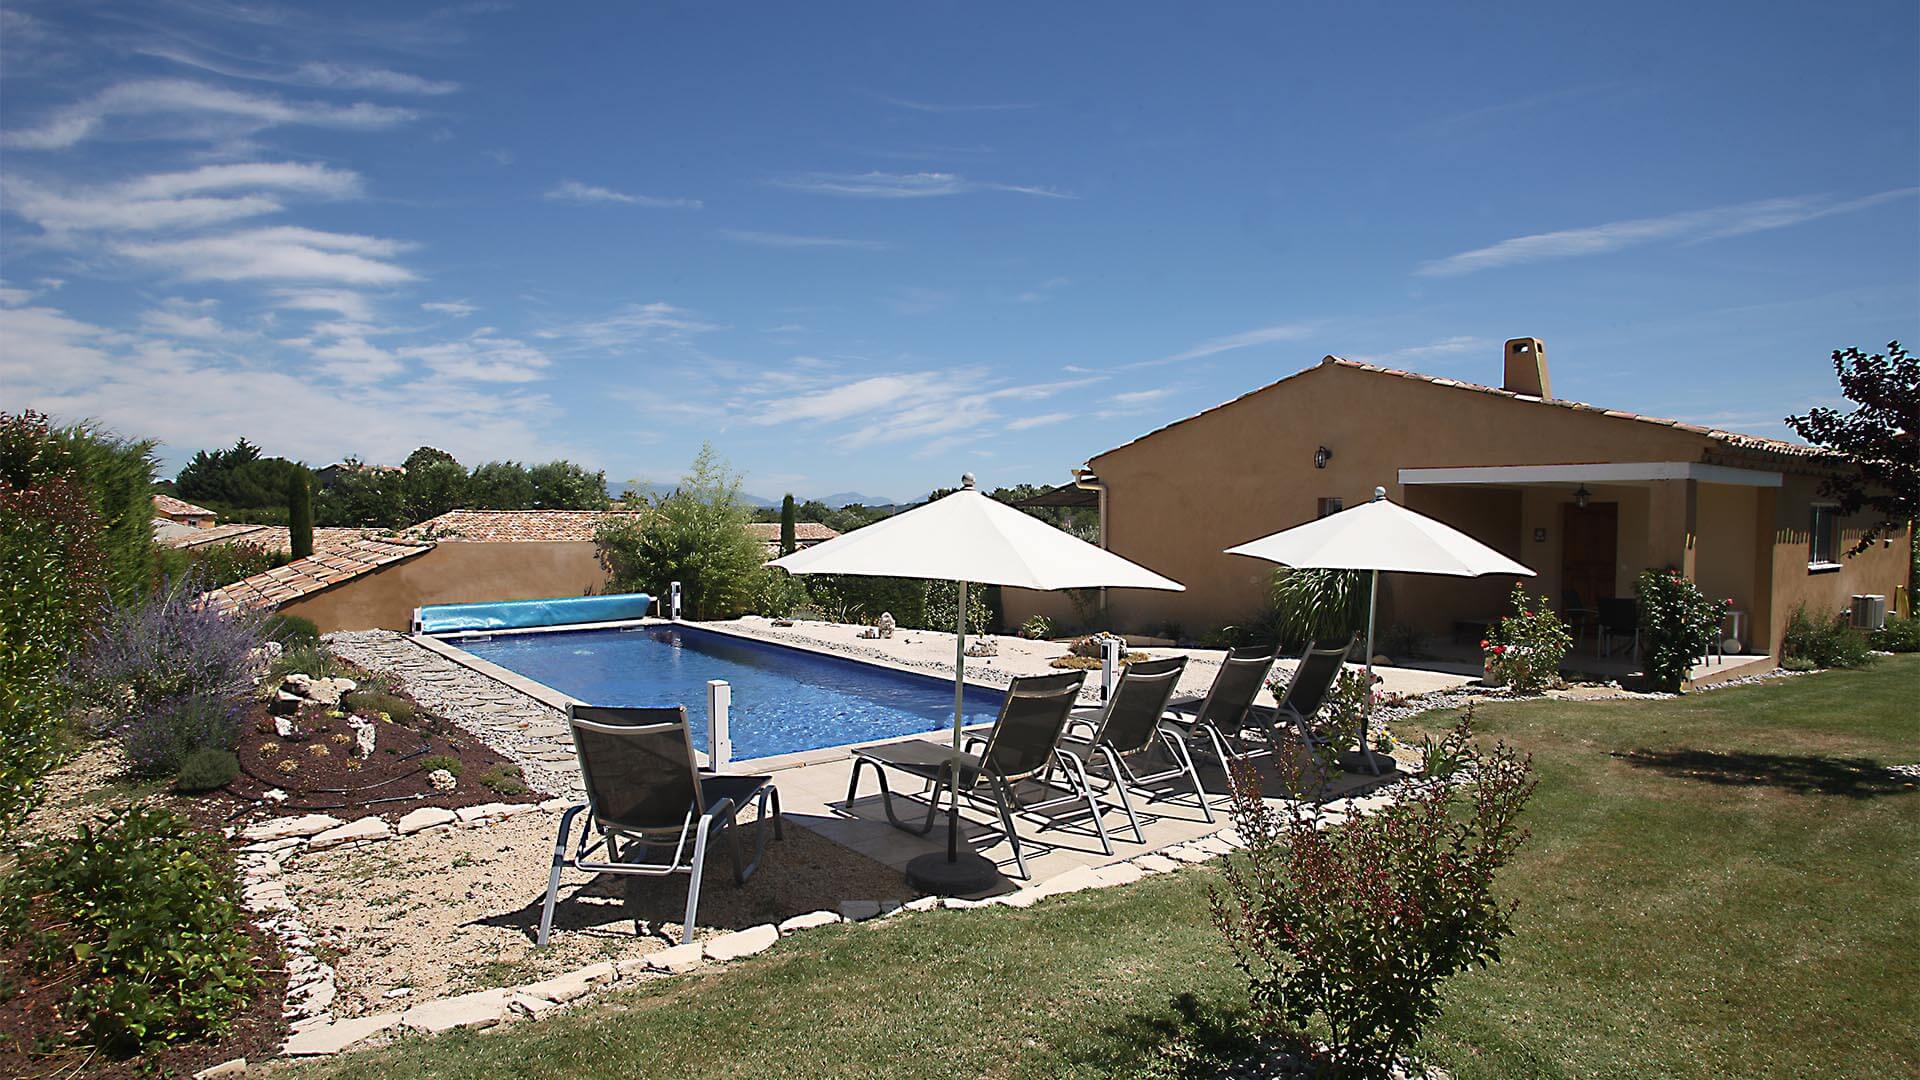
<point>270,537</point>
<point>1732,439</point>
<point>168,506</point>
<point>1066,495</point>
<point>804,532</point>
<point>166,531</point>
<point>514,526</point>
<point>315,573</point>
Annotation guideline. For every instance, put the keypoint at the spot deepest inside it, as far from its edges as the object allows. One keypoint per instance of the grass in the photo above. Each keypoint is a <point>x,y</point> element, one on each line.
<point>1722,884</point>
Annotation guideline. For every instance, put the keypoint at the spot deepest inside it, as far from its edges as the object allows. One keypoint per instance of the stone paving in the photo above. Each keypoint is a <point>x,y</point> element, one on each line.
<point>532,735</point>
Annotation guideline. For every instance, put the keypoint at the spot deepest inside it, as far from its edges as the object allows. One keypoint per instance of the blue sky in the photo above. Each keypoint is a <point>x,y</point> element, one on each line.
<point>870,247</point>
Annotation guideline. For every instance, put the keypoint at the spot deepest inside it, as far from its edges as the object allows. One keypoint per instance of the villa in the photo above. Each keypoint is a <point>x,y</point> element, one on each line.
<point>1586,496</point>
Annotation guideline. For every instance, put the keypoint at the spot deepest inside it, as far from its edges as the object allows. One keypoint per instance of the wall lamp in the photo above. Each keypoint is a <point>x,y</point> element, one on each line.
<point>1321,457</point>
<point>1581,496</point>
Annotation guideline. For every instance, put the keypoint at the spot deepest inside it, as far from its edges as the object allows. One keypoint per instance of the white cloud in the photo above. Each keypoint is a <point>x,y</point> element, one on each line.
<point>793,240</point>
<point>175,200</point>
<point>331,76</point>
<point>1043,290</point>
<point>1691,226</point>
<point>209,109</point>
<point>903,406</point>
<point>1140,397</point>
<point>933,107</point>
<point>483,356</point>
<point>343,302</point>
<point>193,321</point>
<point>1025,423</point>
<point>885,185</point>
<point>281,253</point>
<point>1448,346</point>
<point>1265,335</point>
<point>459,309</point>
<point>574,191</point>
<point>632,325</point>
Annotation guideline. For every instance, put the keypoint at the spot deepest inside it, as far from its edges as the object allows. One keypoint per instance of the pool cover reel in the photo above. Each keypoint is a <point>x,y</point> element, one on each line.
<point>523,614</point>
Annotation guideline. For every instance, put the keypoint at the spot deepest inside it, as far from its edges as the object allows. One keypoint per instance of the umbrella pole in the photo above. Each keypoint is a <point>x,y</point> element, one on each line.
<point>1366,710</point>
<point>955,874</point>
<point>959,714</point>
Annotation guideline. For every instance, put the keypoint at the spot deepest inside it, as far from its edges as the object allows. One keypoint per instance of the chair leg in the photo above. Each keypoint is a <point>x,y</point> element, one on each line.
<point>1193,773</point>
<point>553,879</point>
<point>693,883</point>
<point>886,797</point>
<point>1120,777</point>
<point>1077,773</point>
<point>1001,796</point>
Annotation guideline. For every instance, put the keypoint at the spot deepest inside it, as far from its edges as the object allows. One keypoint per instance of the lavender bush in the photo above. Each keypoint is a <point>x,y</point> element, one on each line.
<point>168,674</point>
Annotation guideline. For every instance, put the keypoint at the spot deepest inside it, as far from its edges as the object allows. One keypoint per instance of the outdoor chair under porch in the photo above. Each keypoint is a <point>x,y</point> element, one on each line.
<point>1024,744</point>
<point>645,792</point>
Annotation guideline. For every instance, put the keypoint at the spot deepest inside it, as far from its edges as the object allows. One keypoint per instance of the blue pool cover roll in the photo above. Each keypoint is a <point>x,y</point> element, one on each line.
<point>522,614</point>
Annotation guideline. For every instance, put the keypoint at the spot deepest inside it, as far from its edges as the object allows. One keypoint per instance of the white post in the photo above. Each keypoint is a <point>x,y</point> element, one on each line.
<point>719,739</point>
<point>673,607</point>
<point>959,666</point>
<point>1366,710</point>
<point>1109,665</point>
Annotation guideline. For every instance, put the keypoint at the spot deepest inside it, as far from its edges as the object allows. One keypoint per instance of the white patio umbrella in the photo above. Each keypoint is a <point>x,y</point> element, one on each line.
<point>969,538</point>
<point>1375,536</point>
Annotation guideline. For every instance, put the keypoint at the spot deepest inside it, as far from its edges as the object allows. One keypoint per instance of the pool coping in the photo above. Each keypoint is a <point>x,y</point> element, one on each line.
<point>554,699</point>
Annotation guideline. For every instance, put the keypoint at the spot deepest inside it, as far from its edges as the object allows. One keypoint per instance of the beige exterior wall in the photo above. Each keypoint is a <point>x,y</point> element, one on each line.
<point>452,573</point>
<point>1180,496</point>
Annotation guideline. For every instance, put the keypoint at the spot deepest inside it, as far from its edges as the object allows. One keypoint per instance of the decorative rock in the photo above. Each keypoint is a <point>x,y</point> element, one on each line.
<point>1021,899</point>
<point>559,989</point>
<point>1187,853</point>
<point>530,1006</point>
<point>335,1037</point>
<point>235,1067</point>
<point>1213,845</point>
<point>283,704</point>
<point>426,817</point>
<point>442,780</point>
<point>808,921</point>
<point>483,1009</point>
<point>367,828</point>
<point>857,910</point>
<point>1119,874</point>
<point>677,959</point>
<point>985,646</point>
<point>1155,863</point>
<point>886,624</point>
<point>554,806</point>
<point>363,736</point>
<point>1081,877</point>
<point>925,903</point>
<point>742,943</point>
<point>398,992</point>
<point>281,828</point>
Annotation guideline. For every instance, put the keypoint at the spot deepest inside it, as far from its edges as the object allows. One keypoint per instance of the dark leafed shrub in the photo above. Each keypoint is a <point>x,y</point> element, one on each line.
<point>218,564</point>
<point>374,702</point>
<point>1824,643</point>
<point>1347,928</point>
<point>160,737</point>
<point>137,915</point>
<point>441,761</point>
<point>1319,604</point>
<point>206,770</point>
<point>1677,626</point>
<point>1899,635</point>
<point>291,630</point>
<point>505,779</point>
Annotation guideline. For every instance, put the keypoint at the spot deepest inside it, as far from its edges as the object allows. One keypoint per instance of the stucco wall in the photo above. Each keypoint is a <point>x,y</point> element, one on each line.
<point>1823,592</point>
<point>454,572</point>
<point>1246,469</point>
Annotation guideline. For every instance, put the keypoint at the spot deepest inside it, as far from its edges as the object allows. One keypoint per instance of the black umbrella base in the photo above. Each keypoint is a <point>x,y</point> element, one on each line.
<point>965,875</point>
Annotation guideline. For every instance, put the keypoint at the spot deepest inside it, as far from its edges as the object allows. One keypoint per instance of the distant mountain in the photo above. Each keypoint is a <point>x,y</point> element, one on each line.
<point>840,499</point>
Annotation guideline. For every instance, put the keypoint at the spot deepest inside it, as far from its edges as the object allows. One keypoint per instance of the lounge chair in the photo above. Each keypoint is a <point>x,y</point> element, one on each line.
<point>644,791</point>
<point>1023,745</point>
<point>1619,617</point>
<point>1127,728</point>
<point>1224,716</point>
<point>1313,678</point>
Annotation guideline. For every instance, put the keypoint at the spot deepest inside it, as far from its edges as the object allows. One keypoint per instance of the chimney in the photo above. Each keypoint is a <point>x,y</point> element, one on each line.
<point>1527,368</point>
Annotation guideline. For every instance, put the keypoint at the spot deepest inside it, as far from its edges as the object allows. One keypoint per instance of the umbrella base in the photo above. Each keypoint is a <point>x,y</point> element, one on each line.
<point>965,875</point>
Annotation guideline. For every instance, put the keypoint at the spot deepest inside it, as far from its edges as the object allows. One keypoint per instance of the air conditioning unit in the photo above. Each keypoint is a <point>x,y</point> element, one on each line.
<point>1869,612</point>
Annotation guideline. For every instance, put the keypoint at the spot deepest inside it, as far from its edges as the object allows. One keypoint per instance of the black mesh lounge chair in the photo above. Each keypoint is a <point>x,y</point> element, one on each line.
<point>1023,745</point>
<point>644,793</point>
<point>1619,618</point>
<point>1313,678</point>
<point>1125,731</point>
<point>1225,715</point>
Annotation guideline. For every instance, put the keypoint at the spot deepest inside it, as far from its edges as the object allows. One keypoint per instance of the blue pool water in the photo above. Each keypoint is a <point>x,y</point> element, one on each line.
<point>784,700</point>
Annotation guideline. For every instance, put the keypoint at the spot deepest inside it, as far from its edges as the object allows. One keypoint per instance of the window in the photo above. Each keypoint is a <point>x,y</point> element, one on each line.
<point>1332,506</point>
<point>1823,537</point>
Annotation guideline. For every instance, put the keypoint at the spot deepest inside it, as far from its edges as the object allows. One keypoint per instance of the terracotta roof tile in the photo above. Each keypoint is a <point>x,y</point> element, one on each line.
<point>319,571</point>
<point>514,526</point>
<point>168,506</point>
<point>270,537</point>
<point>805,532</point>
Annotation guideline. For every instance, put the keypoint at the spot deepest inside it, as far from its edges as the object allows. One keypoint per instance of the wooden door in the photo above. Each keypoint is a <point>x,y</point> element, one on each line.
<point>1590,551</point>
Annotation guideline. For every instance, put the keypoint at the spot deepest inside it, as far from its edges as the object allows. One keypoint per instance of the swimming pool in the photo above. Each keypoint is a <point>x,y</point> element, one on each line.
<point>784,700</point>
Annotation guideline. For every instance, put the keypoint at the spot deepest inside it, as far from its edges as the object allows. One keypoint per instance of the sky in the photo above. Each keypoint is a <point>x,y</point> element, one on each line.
<point>871,247</point>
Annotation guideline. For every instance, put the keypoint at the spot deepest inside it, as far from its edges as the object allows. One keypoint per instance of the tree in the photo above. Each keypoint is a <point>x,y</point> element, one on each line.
<point>434,486</point>
<point>787,521</point>
<point>118,474</point>
<point>238,482</point>
<point>562,485</point>
<point>365,497</point>
<point>428,455</point>
<point>500,485</point>
<point>300,514</point>
<point>697,535</point>
<point>1877,438</point>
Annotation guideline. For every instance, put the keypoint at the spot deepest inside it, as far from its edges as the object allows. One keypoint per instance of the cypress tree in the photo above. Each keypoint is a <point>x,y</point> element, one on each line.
<point>787,541</point>
<point>300,513</point>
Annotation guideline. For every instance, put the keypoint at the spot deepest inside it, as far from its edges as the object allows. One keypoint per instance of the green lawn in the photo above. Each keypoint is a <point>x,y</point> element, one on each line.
<point>1741,899</point>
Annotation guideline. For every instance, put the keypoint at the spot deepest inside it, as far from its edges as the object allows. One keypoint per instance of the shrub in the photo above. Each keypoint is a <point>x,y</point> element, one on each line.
<point>218,564</point>
<point>1828,643</point>
<point>776,593</point>
<point>159,737</point>
<point>312,660</point>
<point>1524,649</point>
<point>1347,928</point>
<point>137,915</point>
<point>1898,635</point>
<point>206,770</point>
<point>940,613</point>
<point>118,477</point>
<point>505,779</point>
<point>374,702</point>
<point>1036,628</point>
<point>1313,605</point>
<point>1677,625</point>
<point>697,535</point>
<point>291,630</point>
<point>53,582</point>
<point>441,761</point>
